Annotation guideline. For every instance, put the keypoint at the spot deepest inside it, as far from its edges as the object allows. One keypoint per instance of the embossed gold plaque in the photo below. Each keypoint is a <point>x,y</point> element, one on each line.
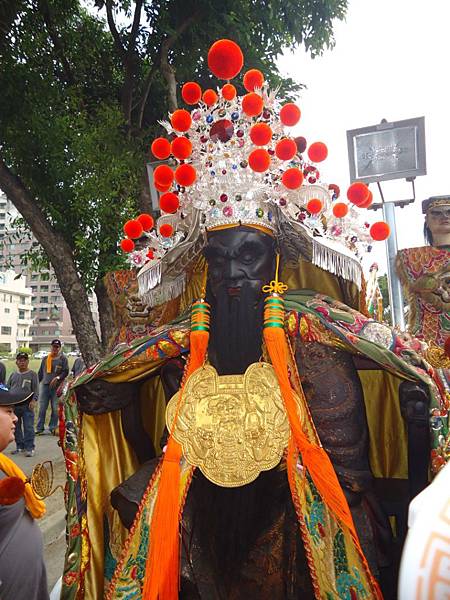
<point>232,426</point>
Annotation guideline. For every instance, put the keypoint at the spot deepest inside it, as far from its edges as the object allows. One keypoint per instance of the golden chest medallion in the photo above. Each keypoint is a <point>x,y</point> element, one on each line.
<point>231,427</point>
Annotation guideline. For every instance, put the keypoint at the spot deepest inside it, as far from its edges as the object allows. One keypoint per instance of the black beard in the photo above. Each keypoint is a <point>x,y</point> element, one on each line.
<point>236,329</point>
<point>231,519</point>
<point>228,521</point>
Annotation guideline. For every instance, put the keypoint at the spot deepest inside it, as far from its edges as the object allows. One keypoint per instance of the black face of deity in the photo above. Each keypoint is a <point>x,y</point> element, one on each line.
<point>238,257</point>
<point>240,261</point>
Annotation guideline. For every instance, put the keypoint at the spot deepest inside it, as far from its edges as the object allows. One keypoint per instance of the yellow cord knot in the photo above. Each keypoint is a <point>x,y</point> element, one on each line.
<point>275,286</point>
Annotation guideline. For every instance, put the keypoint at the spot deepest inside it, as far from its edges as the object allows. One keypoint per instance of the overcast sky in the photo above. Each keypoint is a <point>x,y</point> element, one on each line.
<point>390,61</point>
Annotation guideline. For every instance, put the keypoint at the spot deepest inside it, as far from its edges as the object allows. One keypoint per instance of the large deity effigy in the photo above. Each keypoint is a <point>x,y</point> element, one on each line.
<point>425,276</point>
<point>254,444</point>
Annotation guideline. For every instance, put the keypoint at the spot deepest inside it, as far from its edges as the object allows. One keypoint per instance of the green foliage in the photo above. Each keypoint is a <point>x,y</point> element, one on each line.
<point>25,349</point>
<point>75,120</point>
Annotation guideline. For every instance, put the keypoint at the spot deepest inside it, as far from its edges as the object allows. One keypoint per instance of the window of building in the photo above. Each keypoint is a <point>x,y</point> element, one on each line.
<point>44,299</point>
<point>45,276</point>
<point>34,289</point>
<point>7,311</point>
<point>6,330</point>
<point>34,277</point>
<point>21,314</point>
<point>23,300</point>
<point>44,288</point>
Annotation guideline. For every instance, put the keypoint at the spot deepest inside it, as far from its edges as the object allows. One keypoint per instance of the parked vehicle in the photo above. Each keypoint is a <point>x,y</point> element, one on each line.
<point>40,354</point>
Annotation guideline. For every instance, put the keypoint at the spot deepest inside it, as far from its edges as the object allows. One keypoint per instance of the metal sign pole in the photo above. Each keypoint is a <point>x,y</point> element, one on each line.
<point>395,288</point>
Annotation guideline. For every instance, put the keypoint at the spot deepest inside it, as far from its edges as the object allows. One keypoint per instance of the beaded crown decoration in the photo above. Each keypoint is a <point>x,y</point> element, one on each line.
<point>232,160</point>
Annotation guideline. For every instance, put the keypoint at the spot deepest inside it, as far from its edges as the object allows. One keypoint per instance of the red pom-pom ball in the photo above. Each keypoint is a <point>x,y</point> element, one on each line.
<point>340,210</point>
<point>229,91</point>
<point>380,231</point>
<point>314,206</point>
<point>367,202</point>
<point>166,230</point>
<point>290,114</point>
<point>161,188</point>
<point>185,175</point>
<point>253,79</point>
<point>181,148</point>
<point>169,202</point>
<point>286,149</point>
<point>358,193</point>
<point>335,189</point>
<point>292,178</point>
<point>163,175</point>
<point>210,97</point>
<point>191,92</point>
<point>181,120</point>
<point>161,148</point>
<point>225,59</point>
<point>317,152</point>
<point>447,347</point>
<point>259,160</point>
<point>146,221</point>
<point>252,104</point>
<point>127,245</point>
<point>261,134</point>
<point>133,229</point>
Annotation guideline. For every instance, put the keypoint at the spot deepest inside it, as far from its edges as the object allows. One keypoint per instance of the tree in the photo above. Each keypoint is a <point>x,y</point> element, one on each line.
<point>82,91</point>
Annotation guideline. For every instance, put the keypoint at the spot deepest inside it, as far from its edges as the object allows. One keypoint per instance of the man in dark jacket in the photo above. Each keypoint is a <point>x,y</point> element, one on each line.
<point>52,372</point>
<point>24,379</point>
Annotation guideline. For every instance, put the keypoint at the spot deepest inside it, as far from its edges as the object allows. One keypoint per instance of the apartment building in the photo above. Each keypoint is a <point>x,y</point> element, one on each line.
<point>15,313</point>
<point>50,316</point>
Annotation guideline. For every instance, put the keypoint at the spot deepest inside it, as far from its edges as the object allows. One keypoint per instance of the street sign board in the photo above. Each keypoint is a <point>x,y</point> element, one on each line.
<point>394,150</point>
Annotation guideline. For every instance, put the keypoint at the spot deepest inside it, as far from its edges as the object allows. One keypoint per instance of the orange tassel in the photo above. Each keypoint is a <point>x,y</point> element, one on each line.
<point>162,567</point>
<point>314,458</point>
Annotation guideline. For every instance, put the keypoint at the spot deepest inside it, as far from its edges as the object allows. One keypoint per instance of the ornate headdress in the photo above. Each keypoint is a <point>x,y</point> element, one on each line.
<point>232,161</point>
<point>435,201</point>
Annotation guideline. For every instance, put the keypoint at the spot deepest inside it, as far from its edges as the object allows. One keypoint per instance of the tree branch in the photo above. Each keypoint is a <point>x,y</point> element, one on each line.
<point>60,256</point>
<point>44,8</point>
<point>113,29</point>
<point>147,85</point>
<point>163,58</point>
<point>169,75</point>
<point>135,27</point>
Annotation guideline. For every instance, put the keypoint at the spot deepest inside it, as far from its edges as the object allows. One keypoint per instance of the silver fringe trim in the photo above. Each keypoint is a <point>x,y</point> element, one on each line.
<point>168,290</point>
<point>336,262</point>
<point>149,277</point>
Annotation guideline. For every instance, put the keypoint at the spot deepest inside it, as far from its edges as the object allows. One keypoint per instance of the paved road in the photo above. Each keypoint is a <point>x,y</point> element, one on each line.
<point>47,449</point>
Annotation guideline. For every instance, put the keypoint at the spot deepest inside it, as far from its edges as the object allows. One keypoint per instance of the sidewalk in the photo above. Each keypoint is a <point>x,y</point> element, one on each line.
<point>53,522</point>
